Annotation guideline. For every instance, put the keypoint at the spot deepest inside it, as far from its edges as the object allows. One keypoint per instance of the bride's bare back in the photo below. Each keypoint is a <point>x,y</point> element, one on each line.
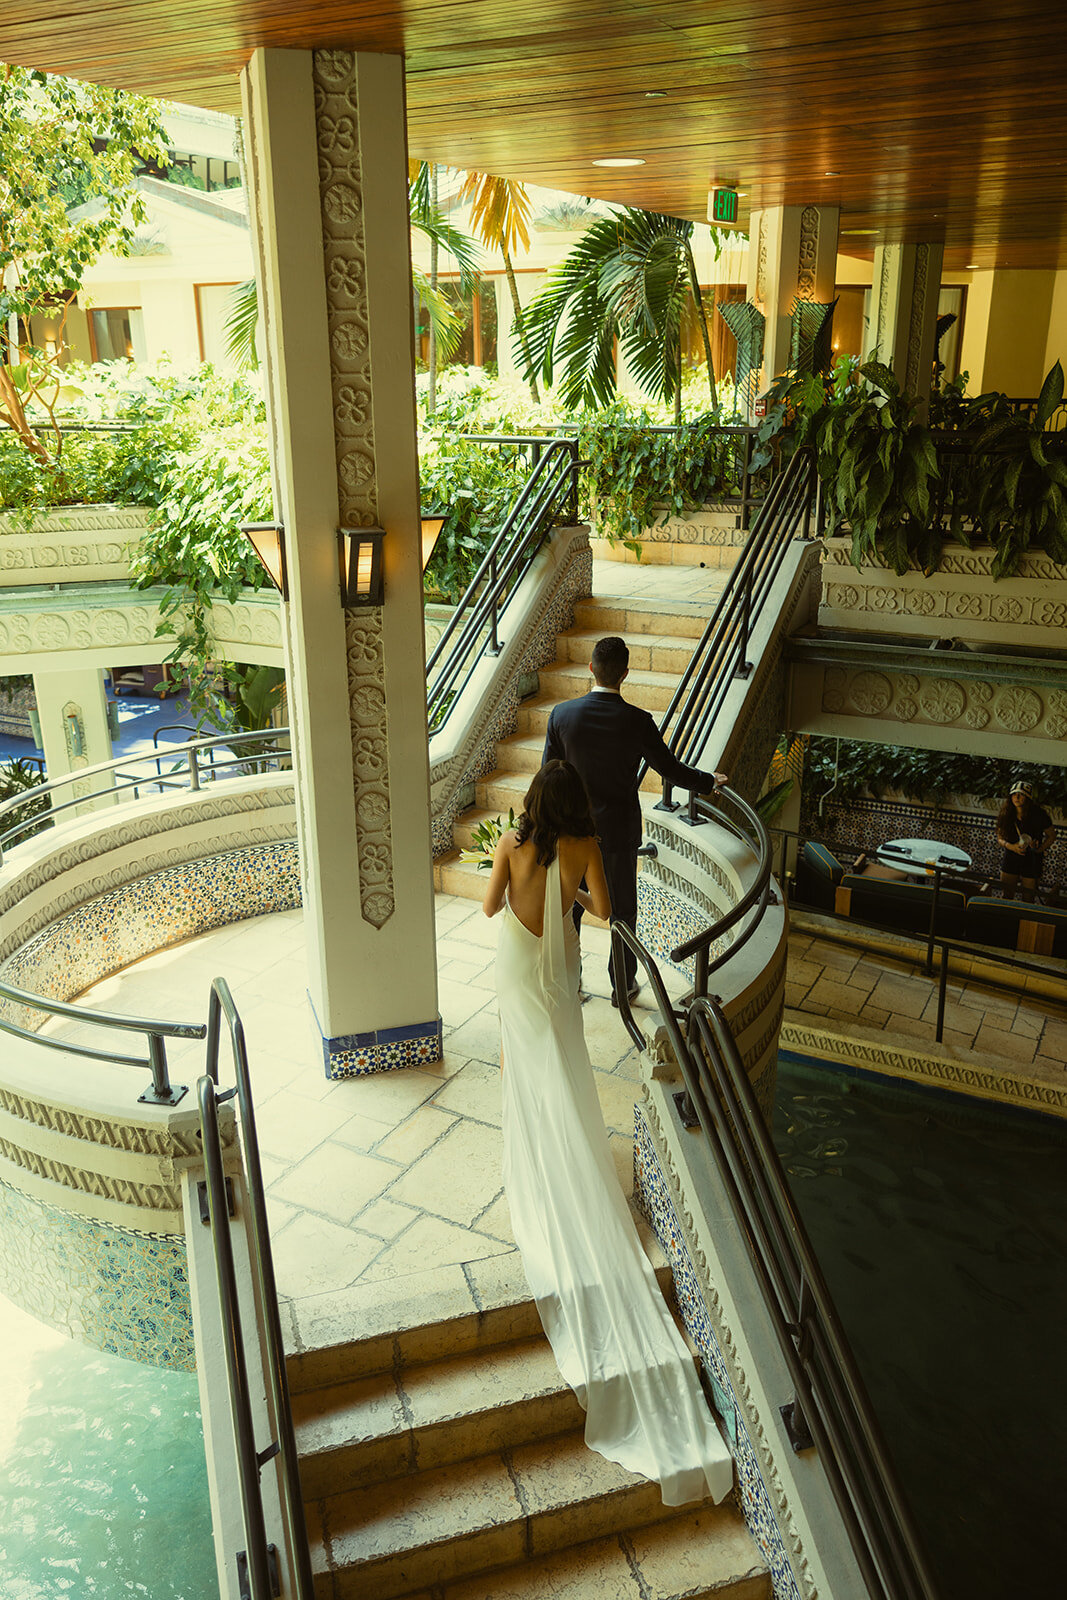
<point>517,874</point>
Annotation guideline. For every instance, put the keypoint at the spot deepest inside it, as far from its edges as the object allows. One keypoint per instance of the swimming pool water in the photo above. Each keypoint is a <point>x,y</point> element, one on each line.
<point>941,1226</point>
<point>103,1487</point>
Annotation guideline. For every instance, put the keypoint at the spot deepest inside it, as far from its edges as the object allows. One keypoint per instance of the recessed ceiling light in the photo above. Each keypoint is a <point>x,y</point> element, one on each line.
<point>619,161</point>
<point>855,232</point>
<point>831,174</point>
<point>971,266</point>
<point>742,194</point>
<point>655,94</point>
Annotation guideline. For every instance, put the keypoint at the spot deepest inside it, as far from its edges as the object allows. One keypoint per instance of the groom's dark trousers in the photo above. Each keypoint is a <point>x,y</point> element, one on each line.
<point>607,739</point>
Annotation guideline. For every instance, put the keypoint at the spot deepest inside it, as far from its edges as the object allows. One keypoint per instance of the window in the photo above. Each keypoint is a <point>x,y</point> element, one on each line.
<point>117,334</point>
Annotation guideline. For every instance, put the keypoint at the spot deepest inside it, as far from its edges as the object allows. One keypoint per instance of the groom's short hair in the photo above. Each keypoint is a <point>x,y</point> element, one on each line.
<point>610,661</point>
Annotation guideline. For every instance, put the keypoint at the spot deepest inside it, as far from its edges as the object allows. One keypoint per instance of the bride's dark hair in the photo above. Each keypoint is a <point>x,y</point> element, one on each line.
<point>556,804</point>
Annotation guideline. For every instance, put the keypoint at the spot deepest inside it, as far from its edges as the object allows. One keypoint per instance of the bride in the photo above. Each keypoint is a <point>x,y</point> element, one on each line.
<point>612,1336</point>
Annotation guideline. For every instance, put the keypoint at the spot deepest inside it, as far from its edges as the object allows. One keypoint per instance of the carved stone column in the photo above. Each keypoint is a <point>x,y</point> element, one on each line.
<point>72,707</point>
<point>328,172</point>
<point>792,255</point>
<point>903,319</point>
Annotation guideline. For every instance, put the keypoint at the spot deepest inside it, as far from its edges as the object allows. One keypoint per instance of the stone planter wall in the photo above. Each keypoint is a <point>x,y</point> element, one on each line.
<point>710,536</point>
<point>961,600</point>
<point>70,544</point>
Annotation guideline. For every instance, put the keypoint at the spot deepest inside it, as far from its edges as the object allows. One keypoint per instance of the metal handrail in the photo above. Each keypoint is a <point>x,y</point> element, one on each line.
<point>162,1091</point>
<point>473,629</point>
<point>830,1407</point>
<point>251,1460</point>
<point>134,780</point>
<point>721,653</point>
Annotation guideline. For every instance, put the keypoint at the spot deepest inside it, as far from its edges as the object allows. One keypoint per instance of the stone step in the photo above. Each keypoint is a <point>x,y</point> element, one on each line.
<point>503,788</point>
<point>428,1415</point>
<point>684,618</point>
<point>670,553</point>
<point>704,1554</point>
<point>649,652</point>
<point>451,1522</point>
<point>566,680</point>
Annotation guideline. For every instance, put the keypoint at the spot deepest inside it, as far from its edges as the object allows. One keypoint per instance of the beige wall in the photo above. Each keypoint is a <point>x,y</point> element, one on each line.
<point>1056,348</point>
<point>1007,330</point>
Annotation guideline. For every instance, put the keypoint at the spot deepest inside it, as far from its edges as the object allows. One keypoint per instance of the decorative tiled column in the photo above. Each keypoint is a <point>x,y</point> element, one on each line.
<point>72,707</point>
<point>903,325</point>
<point>792,255</point>
<point>328,175</point>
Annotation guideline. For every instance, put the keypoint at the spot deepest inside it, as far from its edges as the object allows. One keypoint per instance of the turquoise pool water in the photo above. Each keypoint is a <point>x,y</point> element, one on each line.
<point>103,1488</point>
<point>941,1227</point>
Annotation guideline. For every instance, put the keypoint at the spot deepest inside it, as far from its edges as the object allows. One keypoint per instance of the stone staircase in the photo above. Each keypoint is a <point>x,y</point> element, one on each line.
<point>447,1462</point>
<point>661,635</point>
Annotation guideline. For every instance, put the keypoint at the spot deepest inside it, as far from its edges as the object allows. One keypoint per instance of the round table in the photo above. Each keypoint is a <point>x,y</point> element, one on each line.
<point>922,857</point>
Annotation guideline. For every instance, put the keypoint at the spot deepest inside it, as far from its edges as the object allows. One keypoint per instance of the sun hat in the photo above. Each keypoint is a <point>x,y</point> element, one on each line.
<point>1022,788</point>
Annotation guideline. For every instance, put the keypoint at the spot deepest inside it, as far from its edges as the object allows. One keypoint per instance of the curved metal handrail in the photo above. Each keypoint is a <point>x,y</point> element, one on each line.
<point>135,780</point>
<point>758,896</point>
<point>830,1408</point>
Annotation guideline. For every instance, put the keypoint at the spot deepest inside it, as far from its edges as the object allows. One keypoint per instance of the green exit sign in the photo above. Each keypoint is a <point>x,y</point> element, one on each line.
<point>724,205</point>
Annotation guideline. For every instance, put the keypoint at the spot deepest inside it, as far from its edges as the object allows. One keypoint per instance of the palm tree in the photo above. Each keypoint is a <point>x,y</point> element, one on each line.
<point>500,214</point>
<point>631,282</point>
<point>445,326</point>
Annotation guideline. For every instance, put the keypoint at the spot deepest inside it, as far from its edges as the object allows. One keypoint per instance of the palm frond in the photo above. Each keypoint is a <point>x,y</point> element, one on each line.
<point>242,319</point>
<point>446,324</point>
<point>500,210</point>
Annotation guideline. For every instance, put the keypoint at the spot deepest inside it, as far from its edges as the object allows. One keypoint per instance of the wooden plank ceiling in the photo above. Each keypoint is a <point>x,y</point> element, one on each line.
<point>945,119</point>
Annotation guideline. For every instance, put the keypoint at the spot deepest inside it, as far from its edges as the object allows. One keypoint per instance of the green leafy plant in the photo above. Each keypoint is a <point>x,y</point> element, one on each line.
<point>843,770</point>
<point>20,776</point>
<point>60,141</point>
<point>486,836</point>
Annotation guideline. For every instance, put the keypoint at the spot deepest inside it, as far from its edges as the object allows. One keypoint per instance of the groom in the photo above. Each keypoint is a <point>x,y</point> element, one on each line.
<point>607,739</point>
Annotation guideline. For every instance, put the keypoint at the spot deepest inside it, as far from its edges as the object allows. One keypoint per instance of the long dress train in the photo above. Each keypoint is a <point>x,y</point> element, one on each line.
<point>613,1338</point>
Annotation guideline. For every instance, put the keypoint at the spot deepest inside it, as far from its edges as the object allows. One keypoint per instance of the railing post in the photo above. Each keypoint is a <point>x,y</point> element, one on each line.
<point>929,967</point>
<point>942,991</point>
<point>808,495</point>
<point>194,770</point>
<point>700,973</point>
<point>746,498</point>
<point>161,1093</point>
<point>666,801</point>
<point>494,642</point>
<point>744,666</point>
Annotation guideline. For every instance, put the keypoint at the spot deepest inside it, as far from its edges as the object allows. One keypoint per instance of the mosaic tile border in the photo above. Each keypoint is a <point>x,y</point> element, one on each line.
<point>653,1194</point>
<point>117,928</point>
<point>115,1289</point>
<point>357,1055</point>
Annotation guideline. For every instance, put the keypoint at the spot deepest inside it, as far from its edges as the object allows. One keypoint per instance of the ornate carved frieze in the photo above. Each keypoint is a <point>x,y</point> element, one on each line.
<point>969,703</point>
<point>344,253</point>
<point>808,253</point>
<point>914,377</point>
<point>149,1196</point>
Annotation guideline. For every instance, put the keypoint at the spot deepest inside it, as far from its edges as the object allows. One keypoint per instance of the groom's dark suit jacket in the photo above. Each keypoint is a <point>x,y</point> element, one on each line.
<point>607,739</point>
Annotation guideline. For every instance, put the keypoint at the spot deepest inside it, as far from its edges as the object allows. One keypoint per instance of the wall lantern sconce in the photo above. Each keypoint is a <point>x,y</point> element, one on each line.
<point>362,581</point>
<point>431,532</point>
<point>75,734</point>
<point>268,541</point>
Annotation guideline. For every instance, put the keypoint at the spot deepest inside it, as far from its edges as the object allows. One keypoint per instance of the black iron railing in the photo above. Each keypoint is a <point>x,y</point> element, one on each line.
<point>184,766</point>
<point>257,1563</point>
<point>721,655</point>
<point>548,497</point>
<point>829,1408</point>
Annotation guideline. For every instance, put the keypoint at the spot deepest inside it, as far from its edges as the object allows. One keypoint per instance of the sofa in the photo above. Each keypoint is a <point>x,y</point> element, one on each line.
<point>1015,925</point>
<point>900,905</point>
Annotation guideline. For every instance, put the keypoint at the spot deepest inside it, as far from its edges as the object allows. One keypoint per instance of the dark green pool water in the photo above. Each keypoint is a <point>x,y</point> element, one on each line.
<point>941,1227</point>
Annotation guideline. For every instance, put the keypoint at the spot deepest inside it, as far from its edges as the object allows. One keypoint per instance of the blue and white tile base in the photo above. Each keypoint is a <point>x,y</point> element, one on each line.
<point>653,1194</point>
<point>355,1055</point>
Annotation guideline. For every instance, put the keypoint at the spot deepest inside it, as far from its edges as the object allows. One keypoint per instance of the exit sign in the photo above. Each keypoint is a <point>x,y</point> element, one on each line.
<point>723,205</point>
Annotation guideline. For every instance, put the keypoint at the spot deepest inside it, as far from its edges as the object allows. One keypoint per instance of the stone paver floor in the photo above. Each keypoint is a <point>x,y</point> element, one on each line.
<point>372,1179</point>
<point>840,983</point>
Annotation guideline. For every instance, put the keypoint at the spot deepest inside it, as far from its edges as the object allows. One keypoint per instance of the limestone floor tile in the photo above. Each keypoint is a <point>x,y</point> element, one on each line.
<point>996,1044</point>
<point>606,1039</point>
<point>290,1126</point>
<point>431,1242</point>
<point>842,998</point>
<point>794,994</point>
<point>832,955</point>
<point>386,1097</point>
<point>911,1027</point>
<point>698,1552</point>
<point>336,1181</point>
<point>327,1323</point>
<point>348,1413</point>
<point>313,1256</point>
<point>622,1153</point>
<point>459,1001</point>
<point>994,1004</point>
<point>475,1091</point>
<point>496,1220</point>
<point>903,996</point>
<point>874,1016</point>
<point>415,1135</point>
<point>961,1019</point>
<point>1028,1021</point>
<point>617,1100</point>
<point>596,1571</point>
<point>480,931</point>
<point>457,1178</point>
<point>800,971</point>
<point>385,1219</point>
<point>1054,1039</point>
<point>478,1039</point>
<point>467,1512</point>
<point>482,1381</point>
<point>572,1493</point>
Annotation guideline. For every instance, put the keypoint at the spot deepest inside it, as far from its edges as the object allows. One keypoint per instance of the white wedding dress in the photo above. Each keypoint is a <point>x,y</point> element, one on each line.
<point>612,1336</point>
